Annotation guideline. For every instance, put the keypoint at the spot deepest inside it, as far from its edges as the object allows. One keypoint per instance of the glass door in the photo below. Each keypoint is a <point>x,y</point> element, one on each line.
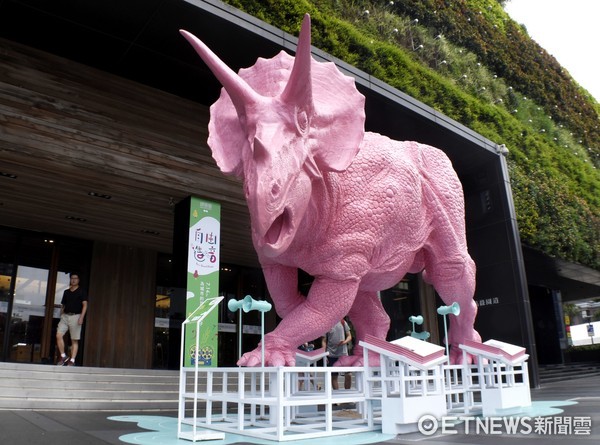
<point>5,298</point>
<point>8,243</point>
<point>30,290</point>
<point>34,272</point>
<point>27,316</point>
<point>48,349</point>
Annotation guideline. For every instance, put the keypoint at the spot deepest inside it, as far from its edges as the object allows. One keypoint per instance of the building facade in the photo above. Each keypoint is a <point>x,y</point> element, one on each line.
<point>104,113</point>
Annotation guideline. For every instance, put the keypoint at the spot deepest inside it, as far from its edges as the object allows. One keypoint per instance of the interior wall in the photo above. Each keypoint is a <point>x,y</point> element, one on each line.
<point>120,320</point>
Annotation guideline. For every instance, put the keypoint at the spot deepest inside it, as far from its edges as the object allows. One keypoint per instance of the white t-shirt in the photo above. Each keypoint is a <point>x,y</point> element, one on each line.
<point>337,334</point>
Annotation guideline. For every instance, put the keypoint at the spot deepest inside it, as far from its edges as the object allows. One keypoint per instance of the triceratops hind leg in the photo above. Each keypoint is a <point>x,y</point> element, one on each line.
<point>448,266</point>
<point>454,280</point>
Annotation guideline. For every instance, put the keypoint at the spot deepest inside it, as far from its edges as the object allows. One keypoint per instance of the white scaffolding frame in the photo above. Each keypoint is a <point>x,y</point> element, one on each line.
<point>264,403</point>
<point>294,403</point>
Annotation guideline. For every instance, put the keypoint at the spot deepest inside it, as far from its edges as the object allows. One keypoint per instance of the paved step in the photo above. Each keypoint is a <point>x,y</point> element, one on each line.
<point>567,371</point>
<point>142,405</point>
<point>46,387</point>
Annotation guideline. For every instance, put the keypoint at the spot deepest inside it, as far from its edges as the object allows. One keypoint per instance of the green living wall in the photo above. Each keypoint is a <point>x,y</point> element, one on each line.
<point>470,61</point>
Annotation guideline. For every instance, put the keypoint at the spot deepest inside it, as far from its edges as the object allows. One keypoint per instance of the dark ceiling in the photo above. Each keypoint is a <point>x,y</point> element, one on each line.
<point>135,39</point>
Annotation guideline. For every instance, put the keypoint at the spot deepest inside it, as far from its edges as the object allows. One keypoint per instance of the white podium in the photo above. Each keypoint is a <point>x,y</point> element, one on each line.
<point>409,383</point>
<point>501,375</point>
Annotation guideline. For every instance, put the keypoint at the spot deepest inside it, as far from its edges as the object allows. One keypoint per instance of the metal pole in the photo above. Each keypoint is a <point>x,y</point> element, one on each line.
<point>240,335</point>
<point>446,338</point>
<point>262,339</point>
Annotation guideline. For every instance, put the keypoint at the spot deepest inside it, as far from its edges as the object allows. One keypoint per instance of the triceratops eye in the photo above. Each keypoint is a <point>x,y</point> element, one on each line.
<point>301,121</point>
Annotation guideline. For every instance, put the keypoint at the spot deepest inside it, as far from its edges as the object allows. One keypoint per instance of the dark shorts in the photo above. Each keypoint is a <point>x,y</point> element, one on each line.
<point>331,360</point>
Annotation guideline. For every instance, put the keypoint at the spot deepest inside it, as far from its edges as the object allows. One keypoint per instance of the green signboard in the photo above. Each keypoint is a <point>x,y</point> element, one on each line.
<point>202,280</point>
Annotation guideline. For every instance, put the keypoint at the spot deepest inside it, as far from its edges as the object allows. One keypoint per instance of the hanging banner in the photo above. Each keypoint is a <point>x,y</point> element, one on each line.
<point>202,280</point>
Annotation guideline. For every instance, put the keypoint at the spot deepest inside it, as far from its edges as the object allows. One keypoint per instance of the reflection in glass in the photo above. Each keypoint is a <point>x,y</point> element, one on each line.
<point>161,326</point>
<point>28,313</point>
<point>6,271</point>
<point>62,284</point>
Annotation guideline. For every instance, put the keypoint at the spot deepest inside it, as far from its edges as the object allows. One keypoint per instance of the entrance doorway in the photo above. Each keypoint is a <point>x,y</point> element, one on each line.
<point>34,272</point>
<point>547,324</point>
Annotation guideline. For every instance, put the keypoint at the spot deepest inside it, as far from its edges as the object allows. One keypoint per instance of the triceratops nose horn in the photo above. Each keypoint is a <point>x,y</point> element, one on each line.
<point>299,85</point>
<point>240,92</point>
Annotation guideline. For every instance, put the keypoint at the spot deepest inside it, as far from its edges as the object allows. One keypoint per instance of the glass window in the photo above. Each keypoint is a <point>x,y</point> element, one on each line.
<point>62,284</point>
<point>5,282</point>
<point>161,326</point>
<point>28,314</point>
<point>30,291</point>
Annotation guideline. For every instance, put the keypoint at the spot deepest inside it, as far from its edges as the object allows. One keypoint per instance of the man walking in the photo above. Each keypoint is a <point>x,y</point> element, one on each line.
<point>72,315</point>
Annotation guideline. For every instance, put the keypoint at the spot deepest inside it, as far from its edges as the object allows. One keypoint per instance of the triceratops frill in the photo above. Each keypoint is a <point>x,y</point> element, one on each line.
<point>354,209</point>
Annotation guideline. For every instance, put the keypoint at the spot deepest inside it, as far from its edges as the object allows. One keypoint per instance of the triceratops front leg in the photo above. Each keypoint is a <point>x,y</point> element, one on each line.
<point>328,301</point>
<point>368,318</point>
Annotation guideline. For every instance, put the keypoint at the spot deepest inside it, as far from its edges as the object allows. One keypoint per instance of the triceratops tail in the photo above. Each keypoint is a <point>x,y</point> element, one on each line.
<point>240,92</point>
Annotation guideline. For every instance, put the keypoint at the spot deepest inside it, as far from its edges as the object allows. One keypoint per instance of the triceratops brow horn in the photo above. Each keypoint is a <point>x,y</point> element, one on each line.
<point>240,92</point>
<point>299,84</point>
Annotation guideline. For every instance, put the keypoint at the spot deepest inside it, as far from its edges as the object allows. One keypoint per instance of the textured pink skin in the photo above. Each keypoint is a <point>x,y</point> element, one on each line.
<point>355,210</point>
<point>398,208</point>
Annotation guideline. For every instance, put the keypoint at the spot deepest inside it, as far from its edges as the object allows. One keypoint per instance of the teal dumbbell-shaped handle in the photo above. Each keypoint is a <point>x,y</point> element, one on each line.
<point>454,309</point>
<point>417,319</point>
<point>248,304</point>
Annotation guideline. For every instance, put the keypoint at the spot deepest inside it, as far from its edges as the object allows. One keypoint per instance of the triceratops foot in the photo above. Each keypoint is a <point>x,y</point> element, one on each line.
<point>277,353</point>
<point>357,360</point>
<point>456,338</point>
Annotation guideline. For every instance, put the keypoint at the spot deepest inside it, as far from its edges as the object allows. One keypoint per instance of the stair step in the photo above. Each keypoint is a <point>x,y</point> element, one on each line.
<point>26,367</point>
<point>61,385</point>
<point>46,387</point>
<point>562,379</point>
<point>124,395</point>
<point>87,405</point>
<point>560,372</point>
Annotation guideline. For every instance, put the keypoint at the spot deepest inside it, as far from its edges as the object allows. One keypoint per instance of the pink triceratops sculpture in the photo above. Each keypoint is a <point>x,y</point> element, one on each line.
<point>356,210</point>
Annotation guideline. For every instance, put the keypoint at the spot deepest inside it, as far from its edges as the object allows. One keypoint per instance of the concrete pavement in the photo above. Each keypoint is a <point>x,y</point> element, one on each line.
<point>577,422</point>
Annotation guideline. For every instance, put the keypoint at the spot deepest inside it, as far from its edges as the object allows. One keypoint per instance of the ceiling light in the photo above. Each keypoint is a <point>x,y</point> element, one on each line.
<point>99,195</point>
<point>8,175</point>
<point>76,218</point>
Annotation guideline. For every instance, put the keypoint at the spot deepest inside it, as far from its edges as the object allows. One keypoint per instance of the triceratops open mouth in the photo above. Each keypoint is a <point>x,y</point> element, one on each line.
<point>279,227</point>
